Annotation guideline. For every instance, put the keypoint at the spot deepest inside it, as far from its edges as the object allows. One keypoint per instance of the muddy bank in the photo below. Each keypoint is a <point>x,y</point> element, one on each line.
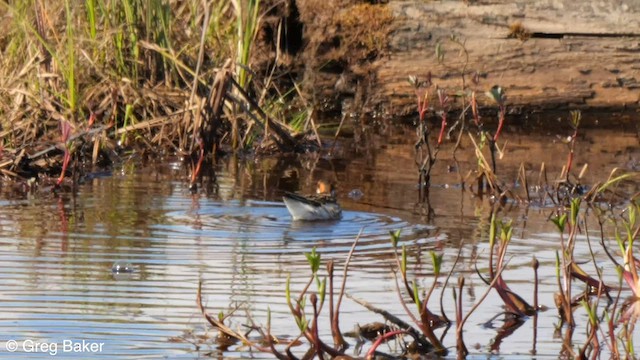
<point>545,54</point>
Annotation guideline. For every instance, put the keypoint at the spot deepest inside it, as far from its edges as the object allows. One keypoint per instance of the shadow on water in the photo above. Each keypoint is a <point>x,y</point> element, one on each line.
<point>119,262</point>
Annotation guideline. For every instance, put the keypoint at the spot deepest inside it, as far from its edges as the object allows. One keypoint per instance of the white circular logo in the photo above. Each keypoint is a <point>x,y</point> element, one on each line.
<point>12,345</point>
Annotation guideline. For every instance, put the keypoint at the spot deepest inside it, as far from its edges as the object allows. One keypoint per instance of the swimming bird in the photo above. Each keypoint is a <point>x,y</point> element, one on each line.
<point>320,206</point>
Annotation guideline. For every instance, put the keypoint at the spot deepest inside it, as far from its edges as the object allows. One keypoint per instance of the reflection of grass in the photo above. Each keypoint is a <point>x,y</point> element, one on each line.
<point>580,280</point>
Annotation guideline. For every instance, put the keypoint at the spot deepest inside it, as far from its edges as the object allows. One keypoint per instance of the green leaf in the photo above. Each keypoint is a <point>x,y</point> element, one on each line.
<point>437,262</point>
<point>496,94</point>
<point>632,215</point>
<point>322,289</point>
<point>576,115</point>
<point>302,323</point>
<point>619,241</point>
<point>506,229</point>
<point>287,290</point>
<point>627,228</point>
<point>575,208</point>
<point>615,180</point>
<point>395,237</point>
<point>314,260</point>
<point>416,296</point>
<point>492,230</point>
<point>560,221</point>
<point>593,318</point>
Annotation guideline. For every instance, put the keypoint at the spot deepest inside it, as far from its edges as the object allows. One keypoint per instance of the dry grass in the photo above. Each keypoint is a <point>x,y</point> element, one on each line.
<point>518,31</point>
<point>125,73</point>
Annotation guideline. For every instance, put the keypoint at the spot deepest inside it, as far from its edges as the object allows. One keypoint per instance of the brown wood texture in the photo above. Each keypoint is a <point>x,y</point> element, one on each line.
<point>580,54</point>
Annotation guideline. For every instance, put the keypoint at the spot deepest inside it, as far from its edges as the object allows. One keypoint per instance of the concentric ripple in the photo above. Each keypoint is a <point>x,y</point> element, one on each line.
<point>266,227</point>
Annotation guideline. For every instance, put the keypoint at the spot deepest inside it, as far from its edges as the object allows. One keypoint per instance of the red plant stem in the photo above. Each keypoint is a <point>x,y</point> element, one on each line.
<point>444,103</point>
<point>334,314</point>
<point>462,348</point>
<point>613,343</point>
<point>65,132</point>
<point>65,164</point>
<point>474,108</point>
<point>64,226</point>
<point>423,104</point>
<point>385,336</point>
<point>500,122</point>
<point>442,127</point>
<point>315,337</point>
<point>196,171</point>
<point>92,119</point>
<point>569,162</point>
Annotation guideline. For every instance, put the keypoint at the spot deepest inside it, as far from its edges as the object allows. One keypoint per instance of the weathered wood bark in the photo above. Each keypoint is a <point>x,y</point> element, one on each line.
<point>579,53</point>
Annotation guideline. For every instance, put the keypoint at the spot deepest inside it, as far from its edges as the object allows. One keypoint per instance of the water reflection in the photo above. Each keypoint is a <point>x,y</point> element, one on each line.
<point>57,253</point>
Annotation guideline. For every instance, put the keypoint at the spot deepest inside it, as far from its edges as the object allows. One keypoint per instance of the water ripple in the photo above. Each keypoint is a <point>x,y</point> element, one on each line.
<point>266,227</point>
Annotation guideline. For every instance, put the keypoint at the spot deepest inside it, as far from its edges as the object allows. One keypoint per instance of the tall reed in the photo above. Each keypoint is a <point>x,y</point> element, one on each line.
<point>247,20</point>
<point>70,71</point>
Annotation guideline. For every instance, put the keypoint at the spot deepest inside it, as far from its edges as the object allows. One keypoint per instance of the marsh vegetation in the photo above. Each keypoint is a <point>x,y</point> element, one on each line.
<point>223,86</point>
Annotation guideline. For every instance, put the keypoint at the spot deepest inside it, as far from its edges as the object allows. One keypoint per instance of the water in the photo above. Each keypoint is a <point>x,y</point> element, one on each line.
<point>117,265</point>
